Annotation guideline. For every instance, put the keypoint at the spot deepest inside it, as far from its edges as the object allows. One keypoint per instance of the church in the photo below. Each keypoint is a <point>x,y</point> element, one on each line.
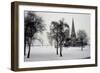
<point>72,39</point>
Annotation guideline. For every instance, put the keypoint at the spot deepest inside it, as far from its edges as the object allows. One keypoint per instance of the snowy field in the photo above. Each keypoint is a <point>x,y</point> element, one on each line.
<point>47,53</point>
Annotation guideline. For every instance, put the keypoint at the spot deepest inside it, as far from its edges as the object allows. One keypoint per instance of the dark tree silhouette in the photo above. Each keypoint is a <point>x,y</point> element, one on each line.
<point>54,33</point>
<point>58,33</point>
<point>61,34</point>
<point>82,36</point>
<point>32,25</point>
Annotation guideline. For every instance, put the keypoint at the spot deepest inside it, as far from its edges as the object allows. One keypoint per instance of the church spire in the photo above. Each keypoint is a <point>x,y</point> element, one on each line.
<point>73,34</point>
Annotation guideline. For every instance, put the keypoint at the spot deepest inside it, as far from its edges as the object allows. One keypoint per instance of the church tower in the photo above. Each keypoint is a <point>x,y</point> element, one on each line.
<point>73,34</point>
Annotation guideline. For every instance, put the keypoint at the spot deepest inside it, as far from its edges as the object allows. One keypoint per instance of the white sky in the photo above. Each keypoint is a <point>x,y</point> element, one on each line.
<point>81,21</point>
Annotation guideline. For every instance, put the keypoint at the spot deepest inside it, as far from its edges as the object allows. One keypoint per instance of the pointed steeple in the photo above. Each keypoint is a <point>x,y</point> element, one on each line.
<point>73,34</point>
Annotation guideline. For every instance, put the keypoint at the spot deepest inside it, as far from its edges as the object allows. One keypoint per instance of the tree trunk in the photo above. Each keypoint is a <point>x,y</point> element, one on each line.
<point>82,48</point>
<point>28,56</point>
<point>82,45</point>
<point>57,50</point>
<point>25,48</point>
<point>57,46</point>
<point>60,50</point>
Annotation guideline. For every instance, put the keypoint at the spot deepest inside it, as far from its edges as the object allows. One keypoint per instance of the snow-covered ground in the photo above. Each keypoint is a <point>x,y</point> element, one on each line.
<point>45,53</point>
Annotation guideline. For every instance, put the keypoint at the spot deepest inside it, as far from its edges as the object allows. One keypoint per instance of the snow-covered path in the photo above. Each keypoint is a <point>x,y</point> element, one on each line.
<point>45,53</point>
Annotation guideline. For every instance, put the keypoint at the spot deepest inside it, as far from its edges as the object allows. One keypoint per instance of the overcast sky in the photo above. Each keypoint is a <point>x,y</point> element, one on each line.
<point>81,21</point>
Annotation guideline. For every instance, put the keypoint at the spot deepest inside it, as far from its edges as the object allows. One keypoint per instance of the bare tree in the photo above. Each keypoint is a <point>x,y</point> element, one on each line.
<point>49,35</point>
<point>32,25</point>
<point>54,33</point>
<point>58,33</point>
<point>82,36</point>
<point>61,34</point>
